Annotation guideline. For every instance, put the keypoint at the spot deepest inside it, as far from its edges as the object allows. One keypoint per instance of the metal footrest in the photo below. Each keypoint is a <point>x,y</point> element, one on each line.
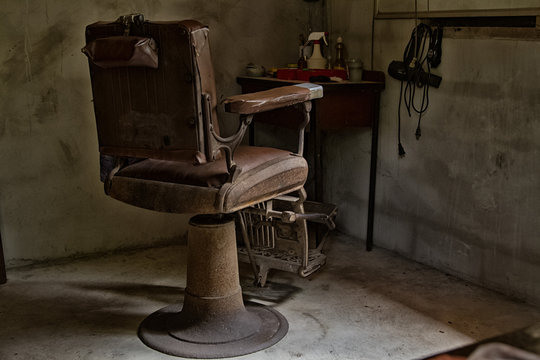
<point>282,235</point>
<point>281,260</point>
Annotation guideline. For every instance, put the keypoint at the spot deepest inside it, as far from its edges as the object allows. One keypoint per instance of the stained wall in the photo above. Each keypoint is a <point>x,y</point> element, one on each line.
<point>464,199</point>
<point>51,200</point>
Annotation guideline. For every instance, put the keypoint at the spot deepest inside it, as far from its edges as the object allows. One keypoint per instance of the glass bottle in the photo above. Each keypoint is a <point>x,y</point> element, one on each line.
<point>340,55</point>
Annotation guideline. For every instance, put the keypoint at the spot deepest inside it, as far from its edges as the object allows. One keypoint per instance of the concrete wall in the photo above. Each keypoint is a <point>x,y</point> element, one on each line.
<point>51,201</point>
<point>352,20</point>
<point>464,199</point>
<point>346,153</point>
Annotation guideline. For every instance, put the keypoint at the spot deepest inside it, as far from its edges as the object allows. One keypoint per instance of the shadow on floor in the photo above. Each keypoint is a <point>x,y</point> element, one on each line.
<point>71,308</point>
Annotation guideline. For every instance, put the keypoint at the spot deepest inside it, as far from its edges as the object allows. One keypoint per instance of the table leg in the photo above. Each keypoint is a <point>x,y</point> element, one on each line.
<point>3,277</point>
<point>318,164</point>
<point>373,175</point>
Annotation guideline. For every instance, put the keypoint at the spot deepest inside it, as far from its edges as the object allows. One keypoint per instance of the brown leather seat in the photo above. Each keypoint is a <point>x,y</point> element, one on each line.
<point>158,126</point>
<point>181,187</point>
<point>167,118</point>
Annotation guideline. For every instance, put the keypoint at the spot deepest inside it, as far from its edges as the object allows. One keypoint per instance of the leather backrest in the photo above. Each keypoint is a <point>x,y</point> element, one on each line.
<point>155,113</point>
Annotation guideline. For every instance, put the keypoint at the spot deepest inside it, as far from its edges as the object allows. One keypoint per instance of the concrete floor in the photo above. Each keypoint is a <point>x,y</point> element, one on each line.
<point>360,306</point>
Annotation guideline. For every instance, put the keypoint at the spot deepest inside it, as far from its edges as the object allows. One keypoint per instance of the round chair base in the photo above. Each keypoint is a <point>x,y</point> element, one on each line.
<point>156,332</point>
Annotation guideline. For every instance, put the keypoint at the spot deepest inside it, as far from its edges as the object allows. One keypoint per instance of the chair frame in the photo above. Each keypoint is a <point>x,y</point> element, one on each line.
<point>213,321</point>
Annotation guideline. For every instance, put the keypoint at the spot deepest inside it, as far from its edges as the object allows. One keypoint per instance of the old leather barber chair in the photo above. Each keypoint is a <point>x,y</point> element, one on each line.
<point>161,149</point>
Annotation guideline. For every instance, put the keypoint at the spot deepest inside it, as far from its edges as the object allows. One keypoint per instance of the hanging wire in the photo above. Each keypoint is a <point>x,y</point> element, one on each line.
<point>419,53</point>
<point>416,26</point>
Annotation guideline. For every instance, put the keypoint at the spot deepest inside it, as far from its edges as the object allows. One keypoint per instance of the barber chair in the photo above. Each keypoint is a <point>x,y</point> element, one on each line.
<point>161,149</point>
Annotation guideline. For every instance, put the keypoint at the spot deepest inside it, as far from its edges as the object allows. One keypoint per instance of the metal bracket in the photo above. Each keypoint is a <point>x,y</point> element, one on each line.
<point>306,109</point>
<point>120,162</point>
<point>229,144</point>
<point>128,20</point>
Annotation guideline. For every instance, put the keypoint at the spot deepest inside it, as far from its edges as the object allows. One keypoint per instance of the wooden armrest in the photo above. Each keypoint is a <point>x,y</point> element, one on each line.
<point>272,99</point>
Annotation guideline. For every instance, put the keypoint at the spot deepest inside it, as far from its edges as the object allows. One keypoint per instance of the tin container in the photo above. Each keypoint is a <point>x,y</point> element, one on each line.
<point>355,67</point>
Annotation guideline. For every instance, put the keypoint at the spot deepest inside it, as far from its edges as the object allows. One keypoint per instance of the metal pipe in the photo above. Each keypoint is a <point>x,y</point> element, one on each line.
<point>248,246</point>
<point>373,175</point>
<point>3,277</point>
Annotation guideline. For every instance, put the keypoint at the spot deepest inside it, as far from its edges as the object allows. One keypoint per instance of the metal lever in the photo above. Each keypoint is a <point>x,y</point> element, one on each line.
<point>291,216</point>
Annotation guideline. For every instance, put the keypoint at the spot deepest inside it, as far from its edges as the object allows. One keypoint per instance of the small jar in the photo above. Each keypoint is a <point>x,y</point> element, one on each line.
<point>254,70</point>
<point>355,67</point>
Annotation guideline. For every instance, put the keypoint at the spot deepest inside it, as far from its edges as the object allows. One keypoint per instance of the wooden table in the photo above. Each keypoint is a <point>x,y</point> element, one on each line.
<point>344,105</point>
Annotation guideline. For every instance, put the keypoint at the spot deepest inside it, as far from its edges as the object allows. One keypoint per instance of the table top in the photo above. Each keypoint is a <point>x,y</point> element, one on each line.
<point>342,85</point>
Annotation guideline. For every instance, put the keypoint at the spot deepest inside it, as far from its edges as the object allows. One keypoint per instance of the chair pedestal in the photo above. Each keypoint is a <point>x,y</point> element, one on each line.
<point>213,321</point>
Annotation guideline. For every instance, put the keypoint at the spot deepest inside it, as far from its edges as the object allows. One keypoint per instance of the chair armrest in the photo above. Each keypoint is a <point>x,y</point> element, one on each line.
<point>253,103</point>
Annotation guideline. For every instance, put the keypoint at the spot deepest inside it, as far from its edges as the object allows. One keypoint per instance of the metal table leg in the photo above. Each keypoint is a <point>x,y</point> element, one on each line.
<point>373,176</point>
<point>3,277</point>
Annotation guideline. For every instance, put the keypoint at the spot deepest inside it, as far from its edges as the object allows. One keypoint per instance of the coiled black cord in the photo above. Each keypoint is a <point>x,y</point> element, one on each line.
<point>422,50</point>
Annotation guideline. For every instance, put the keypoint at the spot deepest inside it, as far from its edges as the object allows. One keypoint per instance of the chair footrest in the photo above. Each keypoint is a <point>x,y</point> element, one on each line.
<point>268,258</point>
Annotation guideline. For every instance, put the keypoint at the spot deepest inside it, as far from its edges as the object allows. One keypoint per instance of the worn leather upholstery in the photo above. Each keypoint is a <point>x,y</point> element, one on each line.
<point>158,117</point>
<point>119,51</point>
<point>266,100</point>
<point>272,99</point>
<point>143,112</point>
<point>182,187</point>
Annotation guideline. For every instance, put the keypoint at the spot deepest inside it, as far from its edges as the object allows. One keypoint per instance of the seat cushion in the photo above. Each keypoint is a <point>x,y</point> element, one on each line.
<point>183,187</point>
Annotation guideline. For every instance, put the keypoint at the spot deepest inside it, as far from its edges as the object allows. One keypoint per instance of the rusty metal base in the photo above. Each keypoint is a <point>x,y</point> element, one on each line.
<point>213,321</point>
<point>155,331</point>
